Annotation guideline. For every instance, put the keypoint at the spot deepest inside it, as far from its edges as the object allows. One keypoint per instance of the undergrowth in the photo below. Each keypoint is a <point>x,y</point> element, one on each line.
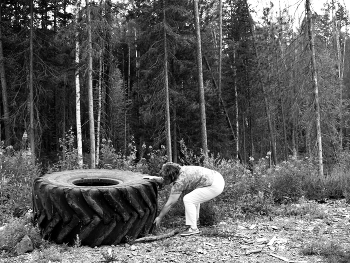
<point>258,190</point>
<point>17,173</point>
<point>331,250</point>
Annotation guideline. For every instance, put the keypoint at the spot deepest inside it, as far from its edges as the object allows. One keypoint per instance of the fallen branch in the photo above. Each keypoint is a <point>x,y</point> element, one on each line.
<point>280,257</point>
<point>154,238</point>
<point>253,251</point>
<point>286,259</point>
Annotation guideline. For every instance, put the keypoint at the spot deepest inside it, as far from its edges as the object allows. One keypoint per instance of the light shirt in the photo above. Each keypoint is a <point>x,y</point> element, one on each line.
<point>193,177</point>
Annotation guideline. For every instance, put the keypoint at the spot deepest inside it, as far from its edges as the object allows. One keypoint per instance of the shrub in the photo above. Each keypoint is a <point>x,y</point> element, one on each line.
<point>153,162</point>
<point>17,173</point>
<point>208,215</point>
<point>287,183</point>
<point>245,193</point>
<point>337,184</point>
<point>187,155</point>
<point>109,158</point>
<point>68,159</point>
<point>15,230</point>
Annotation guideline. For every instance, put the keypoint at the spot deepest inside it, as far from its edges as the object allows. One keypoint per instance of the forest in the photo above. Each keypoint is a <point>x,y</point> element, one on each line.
<point>215,77</point>
<point>257,92</point>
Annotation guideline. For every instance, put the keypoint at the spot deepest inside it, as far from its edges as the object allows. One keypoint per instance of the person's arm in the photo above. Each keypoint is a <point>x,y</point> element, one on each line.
<point>157,179</point>
<point>171,201</point>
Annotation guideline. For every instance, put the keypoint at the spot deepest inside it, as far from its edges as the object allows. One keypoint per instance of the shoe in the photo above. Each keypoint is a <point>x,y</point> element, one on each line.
<point>190,232</point>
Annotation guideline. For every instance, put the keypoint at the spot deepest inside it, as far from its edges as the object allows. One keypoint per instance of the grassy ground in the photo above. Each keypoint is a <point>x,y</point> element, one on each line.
<point>302,232</point>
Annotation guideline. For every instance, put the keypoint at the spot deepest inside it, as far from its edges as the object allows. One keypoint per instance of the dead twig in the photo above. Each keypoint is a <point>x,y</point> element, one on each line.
<point>286,259</point>
<point>154,238</point>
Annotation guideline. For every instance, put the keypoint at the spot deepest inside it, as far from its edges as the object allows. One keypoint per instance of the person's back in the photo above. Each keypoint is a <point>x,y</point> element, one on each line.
<point>193,177</point>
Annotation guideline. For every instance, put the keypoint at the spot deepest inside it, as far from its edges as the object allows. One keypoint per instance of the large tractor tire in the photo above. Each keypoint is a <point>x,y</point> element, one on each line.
<point>94,207</point>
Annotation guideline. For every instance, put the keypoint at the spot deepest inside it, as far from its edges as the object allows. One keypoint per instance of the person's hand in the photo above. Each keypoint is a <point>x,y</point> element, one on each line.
<point>154,178</point>
<point>148,177</point>
<point>157,221</point>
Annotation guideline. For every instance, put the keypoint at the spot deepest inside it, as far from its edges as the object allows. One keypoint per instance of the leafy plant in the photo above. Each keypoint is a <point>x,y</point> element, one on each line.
<point>188,156</point>
<point>209,215</point>
<point>153,162</point>
<point>68,158</point>
<point>15,230</point>
<point>111,159</point>
<point>17,173</point>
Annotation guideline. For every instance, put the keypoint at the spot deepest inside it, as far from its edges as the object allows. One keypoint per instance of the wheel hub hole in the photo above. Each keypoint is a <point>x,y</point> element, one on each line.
<point>95,182</point>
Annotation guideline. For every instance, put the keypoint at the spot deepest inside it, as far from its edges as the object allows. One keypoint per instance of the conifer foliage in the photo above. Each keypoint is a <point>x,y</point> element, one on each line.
<point>257,78</point>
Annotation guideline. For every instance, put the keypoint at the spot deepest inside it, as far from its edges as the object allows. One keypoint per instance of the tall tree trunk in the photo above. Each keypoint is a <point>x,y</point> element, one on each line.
<point>342,71</point>
<point>4,92</point>
<point>137,59</point>
<point>174,135</point>
<point>340,77</point>
<point>63,112</point>
<point>31,90</point>
<point>295,119</point>
<point>99,109</point>
<point>244,157</point>
<point>90,92</point>
<point>340,86</point>
<point>128,97</point>
<point>294,139</point>
<point>220,46</point>
<point>236,102</point>
<point>77,89</point>
<point>285,147</point>
<point>200,81</point>
<point>315,86</point>
<point>166,87</point>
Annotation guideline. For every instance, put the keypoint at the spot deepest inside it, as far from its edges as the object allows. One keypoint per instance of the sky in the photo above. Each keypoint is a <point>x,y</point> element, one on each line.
<point>296,7</point>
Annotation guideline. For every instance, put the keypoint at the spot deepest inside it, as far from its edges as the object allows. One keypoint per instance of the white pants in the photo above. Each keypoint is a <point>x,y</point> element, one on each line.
<point>193,199</point>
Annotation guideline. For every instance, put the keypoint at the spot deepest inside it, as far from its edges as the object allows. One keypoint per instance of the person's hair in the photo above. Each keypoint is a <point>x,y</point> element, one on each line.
<point>170,171</point>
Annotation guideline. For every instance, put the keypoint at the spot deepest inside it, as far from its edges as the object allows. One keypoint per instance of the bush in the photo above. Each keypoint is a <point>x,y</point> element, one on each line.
<point>15,230</point>
<point>68,158</point>
<point>153,162</point>
<point>287,182</point>
<point>209,214</point>
<point>17,173</point>
<point>245,193</point>
<point>337,184</point>
<point>109,158</point>
<point>292,179</point>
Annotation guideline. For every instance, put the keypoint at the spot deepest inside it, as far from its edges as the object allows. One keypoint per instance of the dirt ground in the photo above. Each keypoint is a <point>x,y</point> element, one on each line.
<point>274,239</point>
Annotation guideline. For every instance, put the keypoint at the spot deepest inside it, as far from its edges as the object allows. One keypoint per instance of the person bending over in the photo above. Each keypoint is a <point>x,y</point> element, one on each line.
<point>202,183</point>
